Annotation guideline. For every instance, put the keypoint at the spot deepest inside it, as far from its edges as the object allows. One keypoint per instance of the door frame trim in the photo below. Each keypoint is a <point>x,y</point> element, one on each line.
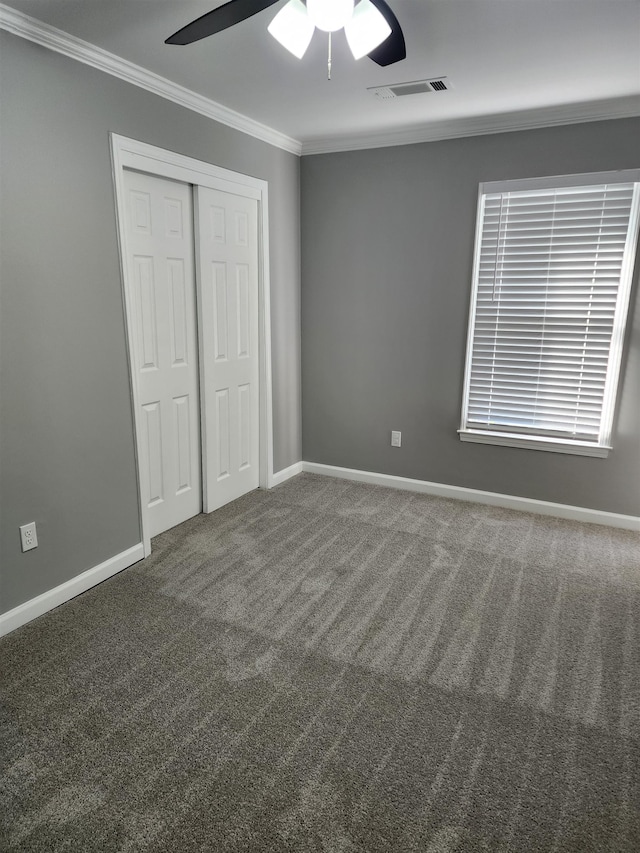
<point>131,154</point>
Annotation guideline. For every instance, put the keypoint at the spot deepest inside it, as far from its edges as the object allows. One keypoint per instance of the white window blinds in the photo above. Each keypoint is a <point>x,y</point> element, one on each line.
<point>552,277</point>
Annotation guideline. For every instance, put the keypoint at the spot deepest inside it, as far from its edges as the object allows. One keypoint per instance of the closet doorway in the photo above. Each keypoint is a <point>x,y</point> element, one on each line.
<point>193,245</point>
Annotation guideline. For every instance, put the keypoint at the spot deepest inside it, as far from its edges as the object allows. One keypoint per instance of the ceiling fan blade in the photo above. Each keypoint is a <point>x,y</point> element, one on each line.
<point>393,48</point>
<point>219,19</point>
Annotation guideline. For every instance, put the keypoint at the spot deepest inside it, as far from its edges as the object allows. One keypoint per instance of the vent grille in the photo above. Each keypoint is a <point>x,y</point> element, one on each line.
<point>414,87</point>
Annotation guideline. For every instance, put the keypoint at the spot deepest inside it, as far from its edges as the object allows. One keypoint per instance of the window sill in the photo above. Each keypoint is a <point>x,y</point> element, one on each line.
<point>554,445</point>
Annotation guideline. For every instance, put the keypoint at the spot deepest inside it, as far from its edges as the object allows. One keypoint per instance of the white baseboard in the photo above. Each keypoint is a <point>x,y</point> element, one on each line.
<point>575,513</point>
<point>286,474</point>
<point>54,597</point>
<point>24,613</point>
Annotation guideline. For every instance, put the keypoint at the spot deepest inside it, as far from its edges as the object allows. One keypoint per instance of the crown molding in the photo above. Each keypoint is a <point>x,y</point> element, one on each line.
<point>628,107</point>
<point>50,37</point>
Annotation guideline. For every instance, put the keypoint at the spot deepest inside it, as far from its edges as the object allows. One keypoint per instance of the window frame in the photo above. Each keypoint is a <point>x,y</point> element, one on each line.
<point>538,440</point>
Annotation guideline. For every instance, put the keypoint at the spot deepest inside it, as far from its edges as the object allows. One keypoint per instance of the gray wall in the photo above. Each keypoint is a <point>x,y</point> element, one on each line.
<point>387,246</point>
<point>67,445</point>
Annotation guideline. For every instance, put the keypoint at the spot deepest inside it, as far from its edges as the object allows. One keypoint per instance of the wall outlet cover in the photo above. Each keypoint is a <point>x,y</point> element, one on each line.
<point>28,536</point>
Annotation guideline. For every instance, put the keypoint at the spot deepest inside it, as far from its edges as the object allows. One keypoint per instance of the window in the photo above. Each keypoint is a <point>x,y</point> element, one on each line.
<point>551,284</point>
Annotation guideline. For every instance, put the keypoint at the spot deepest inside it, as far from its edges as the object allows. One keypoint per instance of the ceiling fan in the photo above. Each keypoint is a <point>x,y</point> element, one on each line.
<point>370,26</point>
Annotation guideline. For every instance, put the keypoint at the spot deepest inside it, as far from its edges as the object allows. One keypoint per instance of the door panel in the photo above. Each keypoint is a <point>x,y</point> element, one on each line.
<point>152,434</point>
<point>228,281</point>
<point>178,304</point>
<point>160,252</point>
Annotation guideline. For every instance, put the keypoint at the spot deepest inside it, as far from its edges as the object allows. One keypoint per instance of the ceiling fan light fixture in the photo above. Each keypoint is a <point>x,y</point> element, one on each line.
<point>293,28</point>
<point>366,29</point>
<point>330,15</point>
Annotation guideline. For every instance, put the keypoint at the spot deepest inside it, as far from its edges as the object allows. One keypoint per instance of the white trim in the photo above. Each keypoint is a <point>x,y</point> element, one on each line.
<point>149,158</point>
<point>50,37</point>
<point>538,439</point>
<point>566,114</point>
<point>621,313</point>
<point>82,51</point>
<point>286,473</point>
<point>534,442</point>
<point>442,490</point>
<point>471,320</point>
<point>24,613</point>
<point>131,154</point>
<point>30,610</point>
<point>551,182</point>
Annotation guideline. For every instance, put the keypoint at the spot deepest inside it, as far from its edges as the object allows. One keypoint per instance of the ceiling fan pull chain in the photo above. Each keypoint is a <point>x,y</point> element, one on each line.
<point>329,60</point>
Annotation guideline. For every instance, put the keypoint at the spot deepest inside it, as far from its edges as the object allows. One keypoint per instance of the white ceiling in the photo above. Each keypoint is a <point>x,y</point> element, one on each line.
<point>512,63</point>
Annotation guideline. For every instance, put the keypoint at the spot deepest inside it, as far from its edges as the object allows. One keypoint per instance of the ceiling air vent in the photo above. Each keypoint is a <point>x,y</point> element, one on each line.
<point>415,87</point>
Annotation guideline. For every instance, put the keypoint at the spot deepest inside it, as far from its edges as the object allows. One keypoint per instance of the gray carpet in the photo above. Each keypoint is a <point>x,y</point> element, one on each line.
<point>337,668</point>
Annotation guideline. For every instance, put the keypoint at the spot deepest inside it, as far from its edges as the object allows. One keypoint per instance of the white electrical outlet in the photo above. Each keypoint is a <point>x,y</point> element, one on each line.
<point>396,438</point>
<point>28,536</point>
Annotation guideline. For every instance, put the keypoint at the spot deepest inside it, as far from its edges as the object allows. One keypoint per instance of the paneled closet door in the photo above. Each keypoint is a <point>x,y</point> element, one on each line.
<point>160,255</point>
<point>228,278</point>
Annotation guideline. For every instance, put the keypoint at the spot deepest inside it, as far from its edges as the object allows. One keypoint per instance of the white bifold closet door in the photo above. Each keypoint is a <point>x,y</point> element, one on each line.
<point>228,280</point>
<point>160,256</point>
